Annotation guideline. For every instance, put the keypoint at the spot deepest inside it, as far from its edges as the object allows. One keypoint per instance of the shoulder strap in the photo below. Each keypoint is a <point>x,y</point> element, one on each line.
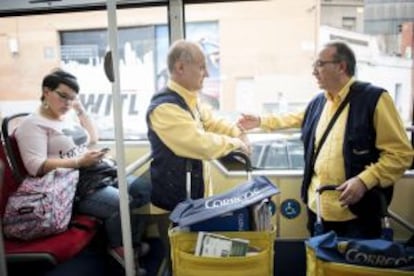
<point>330,125</point>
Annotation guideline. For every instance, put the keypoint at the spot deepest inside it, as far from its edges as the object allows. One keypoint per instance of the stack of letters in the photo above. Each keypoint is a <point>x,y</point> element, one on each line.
<point>261,214</point>
<point>214,245</point>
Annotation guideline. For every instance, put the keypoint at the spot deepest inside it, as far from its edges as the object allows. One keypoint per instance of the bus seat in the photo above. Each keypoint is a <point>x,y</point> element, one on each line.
<point>12,151</point>
<point>53,249</point>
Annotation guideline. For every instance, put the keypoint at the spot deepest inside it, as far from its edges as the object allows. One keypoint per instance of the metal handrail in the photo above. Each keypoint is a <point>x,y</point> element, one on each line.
<point>139,163</point>
<point>136,165</point>
<point>403,222</point>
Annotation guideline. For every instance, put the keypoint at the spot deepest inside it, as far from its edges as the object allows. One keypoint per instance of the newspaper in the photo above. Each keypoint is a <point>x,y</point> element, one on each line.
<point>215,245</point>
<point>261,216</point>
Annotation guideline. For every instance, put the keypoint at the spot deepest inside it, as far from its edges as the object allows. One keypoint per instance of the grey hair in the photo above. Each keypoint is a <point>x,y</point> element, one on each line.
<point>181,50</point>
<point>344,53</point>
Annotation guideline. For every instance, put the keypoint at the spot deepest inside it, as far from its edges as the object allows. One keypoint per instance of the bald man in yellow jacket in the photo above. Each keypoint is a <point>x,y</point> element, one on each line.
<point>183,132</point>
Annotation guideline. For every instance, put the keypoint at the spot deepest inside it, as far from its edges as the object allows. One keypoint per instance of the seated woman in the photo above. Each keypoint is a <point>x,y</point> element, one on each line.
<point>53,138</point>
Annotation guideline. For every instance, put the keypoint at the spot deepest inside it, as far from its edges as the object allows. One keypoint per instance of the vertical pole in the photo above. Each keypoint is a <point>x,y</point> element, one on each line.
<point>411,45</point>
<point>176,20</point>
<point>119,140</point>
<point>317,26</point>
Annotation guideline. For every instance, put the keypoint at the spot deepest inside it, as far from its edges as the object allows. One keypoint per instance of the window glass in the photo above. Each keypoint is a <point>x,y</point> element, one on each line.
<point>277,156</point>
<point>282,151</point>
<point>349,23</point>
<point>77,42</point>
<point>142,52</point>
<point>259,57</point>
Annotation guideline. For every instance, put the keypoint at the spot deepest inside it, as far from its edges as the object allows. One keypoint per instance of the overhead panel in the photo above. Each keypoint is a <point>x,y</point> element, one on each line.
<point>23,7</point>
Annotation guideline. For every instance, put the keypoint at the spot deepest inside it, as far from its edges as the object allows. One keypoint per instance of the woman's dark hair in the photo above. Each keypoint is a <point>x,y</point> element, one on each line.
<point>55,78</point>
<point>344,53</point>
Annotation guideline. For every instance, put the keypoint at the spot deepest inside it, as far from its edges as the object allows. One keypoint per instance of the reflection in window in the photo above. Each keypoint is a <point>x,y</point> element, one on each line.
<point>142,65</point>
<point>295,153</point>
<point>280,151</point>
<point>349,23</point>
<point>277,157</point>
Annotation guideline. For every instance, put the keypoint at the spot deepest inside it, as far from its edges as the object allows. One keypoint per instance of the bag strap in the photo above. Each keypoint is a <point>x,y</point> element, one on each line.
<point>330,125</point>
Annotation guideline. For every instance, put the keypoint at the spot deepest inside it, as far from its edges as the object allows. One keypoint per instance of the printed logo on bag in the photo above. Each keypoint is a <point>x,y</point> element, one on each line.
<point>377,258</point>
<point>253,191</point>
<point>217,203</point>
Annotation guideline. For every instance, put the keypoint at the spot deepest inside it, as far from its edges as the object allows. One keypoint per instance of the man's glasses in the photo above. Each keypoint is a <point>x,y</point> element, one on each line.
<point>321,63</point>
<point>64,97</point>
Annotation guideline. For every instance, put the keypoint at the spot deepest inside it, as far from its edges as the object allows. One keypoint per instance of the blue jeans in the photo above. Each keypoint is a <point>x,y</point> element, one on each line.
<point>104,204</point>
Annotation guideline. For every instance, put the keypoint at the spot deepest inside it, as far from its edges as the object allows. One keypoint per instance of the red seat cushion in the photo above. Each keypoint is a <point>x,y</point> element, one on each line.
<point>61,246</point>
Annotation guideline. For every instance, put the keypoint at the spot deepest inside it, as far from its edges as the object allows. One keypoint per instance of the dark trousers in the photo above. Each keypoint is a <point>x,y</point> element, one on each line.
<point>359,228</point>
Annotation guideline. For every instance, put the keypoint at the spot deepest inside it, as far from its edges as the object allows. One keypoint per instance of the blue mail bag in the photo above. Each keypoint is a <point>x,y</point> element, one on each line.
<point>374,252</point>
<point>191,212</point>
<point>237,220</point>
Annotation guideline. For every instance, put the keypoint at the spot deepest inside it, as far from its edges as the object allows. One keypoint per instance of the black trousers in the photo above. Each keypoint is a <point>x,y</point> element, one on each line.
<point>360,228</point>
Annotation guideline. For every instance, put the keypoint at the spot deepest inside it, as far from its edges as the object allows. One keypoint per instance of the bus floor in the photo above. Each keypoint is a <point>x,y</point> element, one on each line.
<point>94,261</point>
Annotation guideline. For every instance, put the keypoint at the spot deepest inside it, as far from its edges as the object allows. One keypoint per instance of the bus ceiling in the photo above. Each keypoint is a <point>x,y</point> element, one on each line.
<point>33,7</point>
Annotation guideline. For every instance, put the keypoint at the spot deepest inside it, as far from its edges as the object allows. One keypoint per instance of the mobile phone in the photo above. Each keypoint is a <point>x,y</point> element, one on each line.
<point>105,150</point>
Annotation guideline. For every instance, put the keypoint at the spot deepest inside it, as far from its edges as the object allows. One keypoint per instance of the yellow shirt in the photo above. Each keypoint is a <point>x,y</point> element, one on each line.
<point>205,138</point>
<point>395,150</point>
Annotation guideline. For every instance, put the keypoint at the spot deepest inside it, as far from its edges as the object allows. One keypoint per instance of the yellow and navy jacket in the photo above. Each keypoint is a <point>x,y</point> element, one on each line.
<point>359,149</point>
<point>168,171</point>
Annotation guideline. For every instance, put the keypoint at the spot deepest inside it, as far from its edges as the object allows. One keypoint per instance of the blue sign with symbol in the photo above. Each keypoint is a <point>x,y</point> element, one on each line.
<point>290,208</point>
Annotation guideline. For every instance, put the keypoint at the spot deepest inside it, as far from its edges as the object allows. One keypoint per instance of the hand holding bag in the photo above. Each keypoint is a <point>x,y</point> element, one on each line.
<point>41,206</point>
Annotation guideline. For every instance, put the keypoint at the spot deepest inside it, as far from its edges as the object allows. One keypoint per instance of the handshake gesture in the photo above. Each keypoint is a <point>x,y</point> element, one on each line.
<point>245,123</point>
<point>248,121</point>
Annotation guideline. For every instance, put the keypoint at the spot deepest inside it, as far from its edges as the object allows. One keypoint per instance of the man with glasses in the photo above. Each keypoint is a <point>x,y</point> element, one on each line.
<point>365,149</point>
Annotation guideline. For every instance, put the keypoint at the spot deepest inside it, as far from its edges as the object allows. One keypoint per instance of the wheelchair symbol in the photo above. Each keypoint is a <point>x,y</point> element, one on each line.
<point>290,208</point>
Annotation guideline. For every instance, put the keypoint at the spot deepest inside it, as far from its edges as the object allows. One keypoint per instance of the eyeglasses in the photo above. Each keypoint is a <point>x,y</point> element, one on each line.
<point>64,97</point>
<point>321,63</point>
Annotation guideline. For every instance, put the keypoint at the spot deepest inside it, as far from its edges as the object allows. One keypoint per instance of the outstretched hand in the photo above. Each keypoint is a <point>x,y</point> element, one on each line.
<point>248,121</point>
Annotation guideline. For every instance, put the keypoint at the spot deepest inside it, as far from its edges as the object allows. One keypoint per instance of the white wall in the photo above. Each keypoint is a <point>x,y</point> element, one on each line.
<point>377,68</point>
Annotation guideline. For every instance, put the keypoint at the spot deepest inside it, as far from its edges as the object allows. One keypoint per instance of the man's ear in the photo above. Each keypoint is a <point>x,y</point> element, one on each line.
<point>342,66</point>
<point>179,67</point>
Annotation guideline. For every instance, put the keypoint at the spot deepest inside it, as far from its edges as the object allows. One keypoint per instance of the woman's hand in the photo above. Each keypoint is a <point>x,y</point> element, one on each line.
<point>86,122</point>
<point>90,158</point>
<point>78,107</point>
